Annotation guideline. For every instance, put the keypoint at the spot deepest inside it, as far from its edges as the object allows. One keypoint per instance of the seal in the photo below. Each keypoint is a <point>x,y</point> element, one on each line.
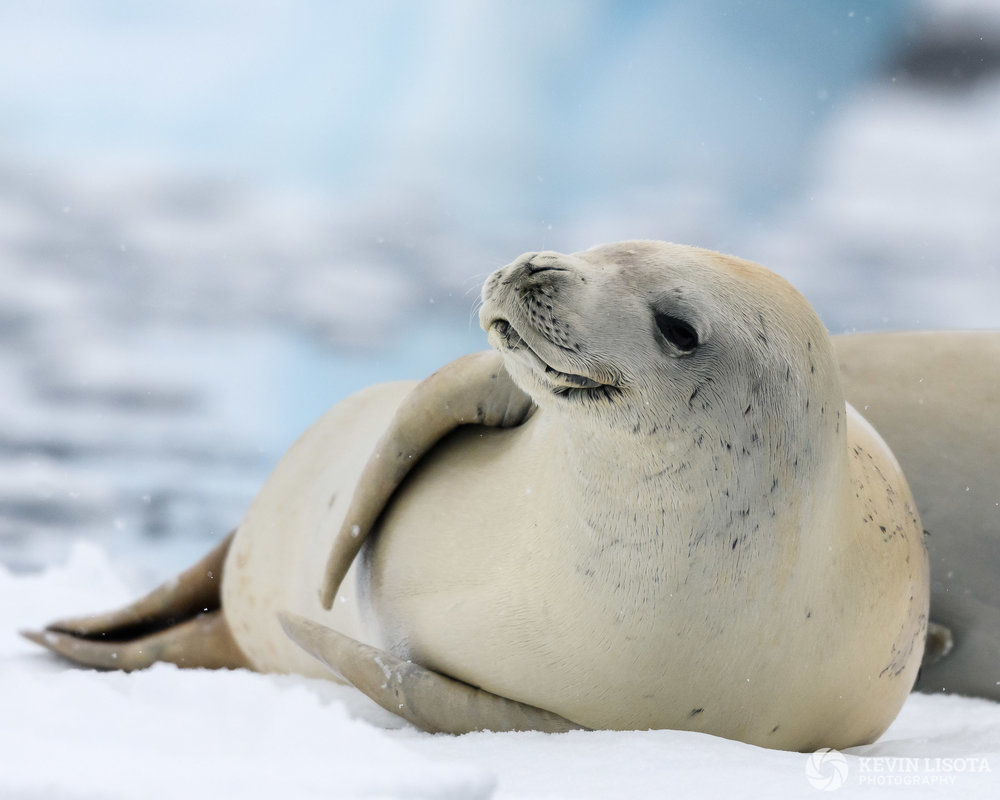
<point>650,508</point>
<point>935,398</point>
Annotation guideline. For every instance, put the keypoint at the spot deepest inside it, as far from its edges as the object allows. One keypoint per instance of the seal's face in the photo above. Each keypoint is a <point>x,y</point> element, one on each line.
<point>649,335</point>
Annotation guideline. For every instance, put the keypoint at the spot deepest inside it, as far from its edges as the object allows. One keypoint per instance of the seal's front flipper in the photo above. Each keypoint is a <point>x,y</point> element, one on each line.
<point>428,699</point>
<point>180,622</point>
<point>472,390</point>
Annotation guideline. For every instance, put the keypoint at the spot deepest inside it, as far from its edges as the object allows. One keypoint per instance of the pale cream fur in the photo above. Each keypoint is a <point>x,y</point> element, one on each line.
<point>724,547</point>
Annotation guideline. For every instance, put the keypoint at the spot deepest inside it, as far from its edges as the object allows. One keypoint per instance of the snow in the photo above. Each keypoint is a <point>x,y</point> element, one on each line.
<point>72,734</point>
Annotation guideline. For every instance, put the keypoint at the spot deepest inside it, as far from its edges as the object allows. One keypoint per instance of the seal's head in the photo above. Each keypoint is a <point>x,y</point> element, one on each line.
<point>648,336</point>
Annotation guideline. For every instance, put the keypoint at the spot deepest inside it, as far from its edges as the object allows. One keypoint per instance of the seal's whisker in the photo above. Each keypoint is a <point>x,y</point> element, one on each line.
<point>474,310</point>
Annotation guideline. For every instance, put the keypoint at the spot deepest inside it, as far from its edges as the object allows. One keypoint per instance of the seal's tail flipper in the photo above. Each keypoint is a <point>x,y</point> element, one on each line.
<point>180,622</point>
<point>428,699</point>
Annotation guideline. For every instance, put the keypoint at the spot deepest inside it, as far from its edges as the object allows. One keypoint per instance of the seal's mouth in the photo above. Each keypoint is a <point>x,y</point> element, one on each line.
<point>565,384</point>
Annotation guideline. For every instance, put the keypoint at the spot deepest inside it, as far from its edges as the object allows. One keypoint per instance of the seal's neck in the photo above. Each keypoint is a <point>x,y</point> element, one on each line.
<point>679,498</point>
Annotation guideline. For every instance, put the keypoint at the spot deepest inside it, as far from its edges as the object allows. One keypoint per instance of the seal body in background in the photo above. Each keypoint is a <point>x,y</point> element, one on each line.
<point>935,398</point>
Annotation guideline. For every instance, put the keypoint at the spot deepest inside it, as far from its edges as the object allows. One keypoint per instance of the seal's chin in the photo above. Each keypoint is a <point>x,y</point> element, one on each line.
<point>563,383</point>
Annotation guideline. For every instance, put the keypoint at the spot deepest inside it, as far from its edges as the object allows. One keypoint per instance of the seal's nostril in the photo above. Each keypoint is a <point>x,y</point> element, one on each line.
<point>502,326</point>
<point>536,268</point>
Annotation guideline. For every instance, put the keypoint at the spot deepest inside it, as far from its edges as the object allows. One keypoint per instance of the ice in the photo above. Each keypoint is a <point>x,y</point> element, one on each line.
<point>67,733</point>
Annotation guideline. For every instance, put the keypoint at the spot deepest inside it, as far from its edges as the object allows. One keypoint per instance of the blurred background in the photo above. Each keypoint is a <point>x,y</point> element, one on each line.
<point>218,218</point>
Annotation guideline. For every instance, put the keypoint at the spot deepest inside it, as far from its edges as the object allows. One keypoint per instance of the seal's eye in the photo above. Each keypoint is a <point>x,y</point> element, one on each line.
<point>678,332</point>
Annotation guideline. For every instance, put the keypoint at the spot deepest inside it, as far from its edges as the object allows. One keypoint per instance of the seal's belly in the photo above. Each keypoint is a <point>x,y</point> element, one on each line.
<point>471,571</point>
<point>465,548</point>
<point>470,575</point>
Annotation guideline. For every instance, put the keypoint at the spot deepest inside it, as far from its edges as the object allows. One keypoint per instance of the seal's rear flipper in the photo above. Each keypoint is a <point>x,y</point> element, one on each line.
<point>428,699</point>
<point>939,643</point>
<point>180,622</point>
<point>202,641</point>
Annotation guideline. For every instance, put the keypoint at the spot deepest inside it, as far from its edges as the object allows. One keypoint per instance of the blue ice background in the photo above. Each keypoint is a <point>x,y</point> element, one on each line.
<point>225,216</point>
<point>498,110</point>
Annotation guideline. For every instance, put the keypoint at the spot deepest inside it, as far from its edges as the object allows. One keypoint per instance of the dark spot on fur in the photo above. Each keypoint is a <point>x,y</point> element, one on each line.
<point>775,729</point>
<point>695,712</point>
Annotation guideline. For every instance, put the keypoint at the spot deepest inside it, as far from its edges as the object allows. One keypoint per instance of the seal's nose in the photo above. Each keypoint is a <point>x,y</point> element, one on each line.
<point>532,263</point>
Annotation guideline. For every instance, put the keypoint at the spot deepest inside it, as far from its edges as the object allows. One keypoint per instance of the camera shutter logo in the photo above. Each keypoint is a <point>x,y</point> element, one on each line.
<point>826,769</point>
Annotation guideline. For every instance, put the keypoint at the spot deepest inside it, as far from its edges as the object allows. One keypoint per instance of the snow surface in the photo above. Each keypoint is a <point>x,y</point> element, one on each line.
<point>71,734</point>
